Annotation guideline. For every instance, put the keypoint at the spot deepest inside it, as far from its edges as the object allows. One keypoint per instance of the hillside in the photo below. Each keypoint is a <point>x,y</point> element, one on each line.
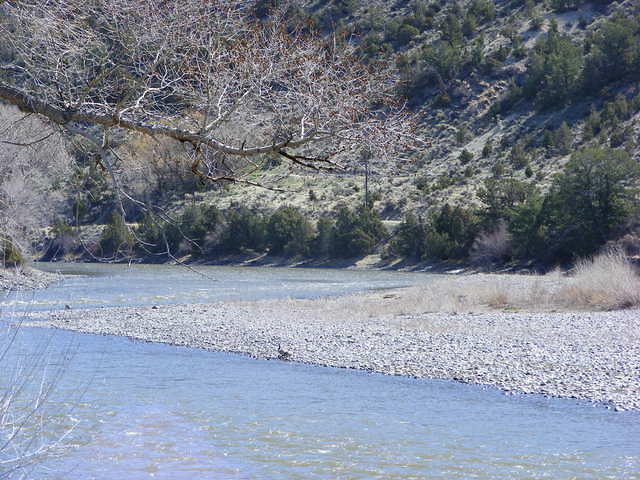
<point>504,91</point>
<point>483,112</point>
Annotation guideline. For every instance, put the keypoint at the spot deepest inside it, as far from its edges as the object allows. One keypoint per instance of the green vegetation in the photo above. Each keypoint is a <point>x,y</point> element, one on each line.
<point>587,205</point>
<point>10,255</point>
<point>116,240</point>
<point>289,232</point>
<point>286,231</point>
<point>446,235</point>
<point>554,70</point>
<point>533,115</point>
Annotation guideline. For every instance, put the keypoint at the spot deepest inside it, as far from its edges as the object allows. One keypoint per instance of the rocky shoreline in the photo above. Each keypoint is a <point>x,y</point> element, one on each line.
<point>26,278</point>
<point>593,356</point>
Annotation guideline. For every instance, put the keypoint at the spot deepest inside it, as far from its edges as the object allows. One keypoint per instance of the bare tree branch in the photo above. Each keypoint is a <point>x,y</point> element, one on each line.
<point>201,73</point>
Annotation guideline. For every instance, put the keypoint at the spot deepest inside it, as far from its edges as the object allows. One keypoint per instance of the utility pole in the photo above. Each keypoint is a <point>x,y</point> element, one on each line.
<point>365,157</point>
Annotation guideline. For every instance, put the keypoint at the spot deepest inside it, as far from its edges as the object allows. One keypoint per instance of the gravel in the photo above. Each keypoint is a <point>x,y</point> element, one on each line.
<point>593,356</point>
<point>26,279</point>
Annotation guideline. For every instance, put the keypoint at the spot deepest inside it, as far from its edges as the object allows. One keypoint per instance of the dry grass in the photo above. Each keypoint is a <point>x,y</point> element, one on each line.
<point>605,282</point>
<point>608,281</point>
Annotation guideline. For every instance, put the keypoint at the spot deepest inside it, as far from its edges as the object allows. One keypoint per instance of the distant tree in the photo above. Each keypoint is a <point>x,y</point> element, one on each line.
<point>410,237</point>
<point>528,172</point>
<point>116,239</point>
<point>527,229</point>
<point>451,30</point>
<point>554,71</point>
<point>10,255</point>
<point>590,200</point>
<point>465,156</point>
<point>459,227</point>
<point>289,232</point>
<point>469,26</point>
<point>485,10</point>
<point>322,243</point>
<point>614,54</point>
<point>245,229</point>
<point>563,139</point>
<point>487,150</point>
<point>356,232</point>
<point>499,198</point>
<point>519,157</point>
<point>592,124</point>
<point>406,33</point>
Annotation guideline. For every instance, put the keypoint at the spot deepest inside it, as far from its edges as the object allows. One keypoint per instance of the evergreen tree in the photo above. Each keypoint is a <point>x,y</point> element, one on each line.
<point>589,201</point>
<point>554,71</point>
<point>289,232</point>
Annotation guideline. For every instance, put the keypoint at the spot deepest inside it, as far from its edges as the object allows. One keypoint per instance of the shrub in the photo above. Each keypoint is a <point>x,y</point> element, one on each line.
<point>356,232</point>
<point>116,239</point>
<point>195,224</point>
<point>487,150</point>
<point>465,157</point>
<point>289,232</point>
<point>459,225</point>
<point>553,76</point>
<point>491,247</point>
<point>410,237</point>
<point>500,197</point>
<point>246,229</point>
<point>322,243</point>
<point>518,156</point>
<point>562,139</point>
<point>65,240</point>
<point>528,172</point>
<point>607,281</point>
<point>614,53</point>
<point>590,201</point>
<point>150,234</point>
<point>445,235</point>
<point>592,124</point>
<point>10,255</point>
<point>526,228</point>
<point>406,33</point>
<point>186,234</point>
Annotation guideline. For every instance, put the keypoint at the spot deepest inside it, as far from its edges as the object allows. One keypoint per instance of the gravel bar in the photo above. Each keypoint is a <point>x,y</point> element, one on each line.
<point>26,278</point>
<point>593,356</point>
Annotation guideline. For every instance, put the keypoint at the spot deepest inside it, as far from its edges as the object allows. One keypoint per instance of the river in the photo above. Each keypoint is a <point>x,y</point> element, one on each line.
<point>156,411</point>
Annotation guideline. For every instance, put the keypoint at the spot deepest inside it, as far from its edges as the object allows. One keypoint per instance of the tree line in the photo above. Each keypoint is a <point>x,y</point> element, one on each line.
<point>205,231</point>
<point>591,202</point>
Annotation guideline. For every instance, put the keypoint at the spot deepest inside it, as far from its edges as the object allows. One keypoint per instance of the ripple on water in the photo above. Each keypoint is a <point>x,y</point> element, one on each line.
<point>165,412</point>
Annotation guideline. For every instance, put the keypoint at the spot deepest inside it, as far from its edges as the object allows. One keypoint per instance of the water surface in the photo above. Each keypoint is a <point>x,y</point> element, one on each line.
<point>156,411</point>
<point>96,285</point>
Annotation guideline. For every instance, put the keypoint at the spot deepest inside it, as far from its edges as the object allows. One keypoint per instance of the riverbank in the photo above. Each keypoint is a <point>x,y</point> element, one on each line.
<point>26,278</point>
<point>593,356</point>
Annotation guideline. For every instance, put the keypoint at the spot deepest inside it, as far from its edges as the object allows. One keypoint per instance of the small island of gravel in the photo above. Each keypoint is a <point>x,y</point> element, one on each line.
<point>593,356</point>
<point>25,278</point>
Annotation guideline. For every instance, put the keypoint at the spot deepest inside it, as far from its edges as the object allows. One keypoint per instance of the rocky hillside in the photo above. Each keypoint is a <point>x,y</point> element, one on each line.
<point>503,89</point>
<point>505,93</point>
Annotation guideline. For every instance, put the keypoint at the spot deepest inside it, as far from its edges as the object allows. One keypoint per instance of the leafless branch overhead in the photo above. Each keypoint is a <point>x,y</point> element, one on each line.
<point>203,73</point>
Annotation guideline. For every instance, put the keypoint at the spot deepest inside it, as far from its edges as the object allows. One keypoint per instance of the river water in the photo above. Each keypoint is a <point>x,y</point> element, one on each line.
<point>155,411</point>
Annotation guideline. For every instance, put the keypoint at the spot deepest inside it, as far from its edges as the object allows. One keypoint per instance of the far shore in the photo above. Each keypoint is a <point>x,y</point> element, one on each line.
<point>369,262</point>
<point>592,356</point>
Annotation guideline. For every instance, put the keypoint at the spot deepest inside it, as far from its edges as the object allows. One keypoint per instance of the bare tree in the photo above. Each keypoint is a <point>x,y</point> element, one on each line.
<point>206,74</point>
<point>32,427</point>
<point>33,165</point>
